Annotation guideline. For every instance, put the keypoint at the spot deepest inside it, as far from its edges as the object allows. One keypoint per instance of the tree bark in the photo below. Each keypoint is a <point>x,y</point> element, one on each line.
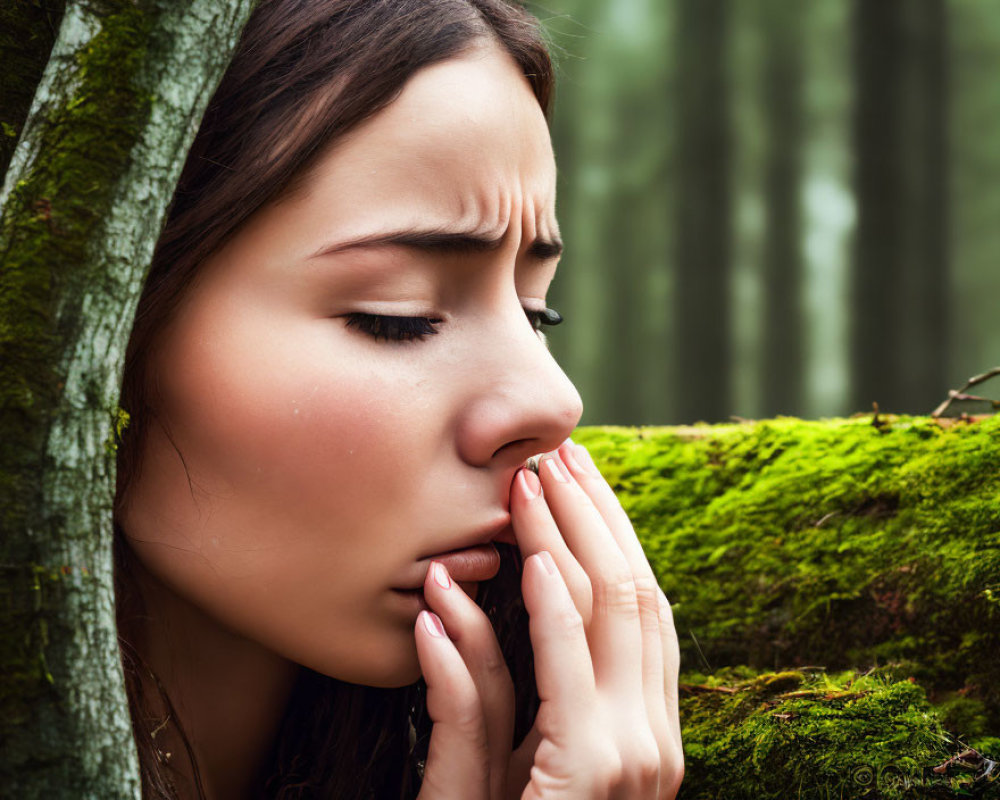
<point>82,205</point>
<point>783,356</point>
<point>702,287</point>
<point>27,32</point>
<point>899,302</point>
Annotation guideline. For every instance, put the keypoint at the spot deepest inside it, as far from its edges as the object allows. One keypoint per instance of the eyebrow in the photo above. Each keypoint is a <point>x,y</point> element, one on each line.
<point>442,242</point>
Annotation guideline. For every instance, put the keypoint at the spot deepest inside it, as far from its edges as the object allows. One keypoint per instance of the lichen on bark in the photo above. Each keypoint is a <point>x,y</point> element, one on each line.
<point>83,201</point>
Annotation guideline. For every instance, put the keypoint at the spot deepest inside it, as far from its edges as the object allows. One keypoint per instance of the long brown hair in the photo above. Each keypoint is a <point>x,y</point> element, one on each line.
<point>305,73</point>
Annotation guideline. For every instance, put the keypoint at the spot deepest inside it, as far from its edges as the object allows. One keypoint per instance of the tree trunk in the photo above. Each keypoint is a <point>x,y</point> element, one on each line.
<point>702,287</point>
<point>83,201</point>
<point>783,356</point>
<point>900,276</point>
<point>27,32</point>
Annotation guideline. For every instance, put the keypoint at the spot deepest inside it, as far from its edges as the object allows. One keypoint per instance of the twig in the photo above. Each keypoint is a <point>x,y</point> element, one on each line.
<point>700,652</point>
<point>959,394</point>
<point>698,688</point>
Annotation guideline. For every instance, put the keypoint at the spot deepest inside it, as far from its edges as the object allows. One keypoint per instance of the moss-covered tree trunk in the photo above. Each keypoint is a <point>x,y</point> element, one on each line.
<point>83,201</point>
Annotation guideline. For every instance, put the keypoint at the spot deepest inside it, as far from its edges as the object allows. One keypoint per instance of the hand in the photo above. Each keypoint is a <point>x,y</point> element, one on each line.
<point>606,659</point>
<point>606,654</point>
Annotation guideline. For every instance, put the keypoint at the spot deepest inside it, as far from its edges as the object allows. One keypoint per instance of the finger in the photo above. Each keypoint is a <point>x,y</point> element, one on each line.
<point>564,671</point>
<point>588,476</point>
<point>535,530</point>
<point>671,665</point>
<point>615,634</point>
<point>457,756</point>
<point>470,630</point>
<point>648,592</point>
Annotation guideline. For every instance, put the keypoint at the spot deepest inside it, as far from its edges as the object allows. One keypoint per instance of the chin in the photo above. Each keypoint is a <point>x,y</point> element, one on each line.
<point>393,670</point>
<point>405,675</point>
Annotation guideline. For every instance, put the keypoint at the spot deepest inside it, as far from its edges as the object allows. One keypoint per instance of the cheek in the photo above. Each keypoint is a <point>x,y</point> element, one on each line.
<point>289,509</point>
<point>295,414</point>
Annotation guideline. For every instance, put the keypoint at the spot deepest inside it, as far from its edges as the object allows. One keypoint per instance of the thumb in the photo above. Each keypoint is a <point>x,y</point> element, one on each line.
<point>458,759</point>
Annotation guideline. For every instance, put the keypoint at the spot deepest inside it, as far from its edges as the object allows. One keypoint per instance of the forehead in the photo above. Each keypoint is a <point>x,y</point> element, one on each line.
<point>464,145</point>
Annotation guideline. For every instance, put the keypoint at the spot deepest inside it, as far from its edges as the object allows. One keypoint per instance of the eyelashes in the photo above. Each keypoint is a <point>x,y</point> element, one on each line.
<point>397,329</point>
<point>405,329</point>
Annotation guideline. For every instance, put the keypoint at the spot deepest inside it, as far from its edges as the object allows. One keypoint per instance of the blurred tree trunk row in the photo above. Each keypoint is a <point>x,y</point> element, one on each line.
<point>762,264</point>
<point>899,300</point>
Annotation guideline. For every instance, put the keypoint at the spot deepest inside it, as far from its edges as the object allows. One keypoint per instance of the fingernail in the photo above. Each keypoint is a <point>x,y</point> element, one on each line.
<point>569,456</point>
<point>545,559</point>
<point>554,470</point>
<point>530,484</point>
<point>440,575</point>
<point>432,622</point>
<point>583,458</point>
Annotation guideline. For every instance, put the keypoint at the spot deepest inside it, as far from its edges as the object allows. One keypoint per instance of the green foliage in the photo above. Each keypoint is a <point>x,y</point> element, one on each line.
<point>119,422</point>
<point>840,543</point>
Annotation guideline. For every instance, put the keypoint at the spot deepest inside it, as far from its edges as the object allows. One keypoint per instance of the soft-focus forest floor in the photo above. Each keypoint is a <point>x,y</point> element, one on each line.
<point>836,591</point>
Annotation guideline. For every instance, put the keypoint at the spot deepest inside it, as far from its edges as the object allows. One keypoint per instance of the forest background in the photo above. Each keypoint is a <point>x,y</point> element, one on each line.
<point>771,207</point>
<point>775,207</point>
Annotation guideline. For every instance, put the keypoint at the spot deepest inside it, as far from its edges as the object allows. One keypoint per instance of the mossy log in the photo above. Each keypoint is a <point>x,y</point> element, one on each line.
<point>845,544</point>
<point>812,735</point>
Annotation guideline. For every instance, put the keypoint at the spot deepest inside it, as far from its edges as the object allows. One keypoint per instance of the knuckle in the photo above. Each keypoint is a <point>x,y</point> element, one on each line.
<point>568,620</point>
<point>647,597</point>
<point>647,763</point>
<point>671,771</point>
<point>473,729</point>
<point>495,668</point>
<point>615,593</point>
<point>459,706</point>
<point>607,766</point>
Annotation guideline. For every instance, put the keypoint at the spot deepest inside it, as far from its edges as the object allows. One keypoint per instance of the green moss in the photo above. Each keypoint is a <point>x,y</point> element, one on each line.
<point>119,422</point>
<point>787,543</point>
<point>50,222</point>
<point>812,735</point>
<point>47,226</point>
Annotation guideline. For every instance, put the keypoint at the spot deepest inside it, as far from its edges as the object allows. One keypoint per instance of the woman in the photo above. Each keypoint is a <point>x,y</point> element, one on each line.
<point>335,377</point>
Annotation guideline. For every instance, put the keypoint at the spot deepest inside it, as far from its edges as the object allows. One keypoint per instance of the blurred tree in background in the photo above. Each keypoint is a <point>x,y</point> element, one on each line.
<point>775,207</point>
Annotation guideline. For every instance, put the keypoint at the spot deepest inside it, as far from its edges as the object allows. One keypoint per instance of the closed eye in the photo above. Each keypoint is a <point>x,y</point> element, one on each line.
<point>406,329</point>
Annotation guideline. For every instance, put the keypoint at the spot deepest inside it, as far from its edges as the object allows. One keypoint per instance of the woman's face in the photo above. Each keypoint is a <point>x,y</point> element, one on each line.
<point>304,471</point>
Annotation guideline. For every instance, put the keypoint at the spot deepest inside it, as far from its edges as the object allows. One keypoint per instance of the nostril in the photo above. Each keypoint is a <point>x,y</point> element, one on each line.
<point>509,446</point>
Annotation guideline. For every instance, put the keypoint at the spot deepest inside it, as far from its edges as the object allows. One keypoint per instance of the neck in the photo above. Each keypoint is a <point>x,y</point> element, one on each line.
<point>228,692</point>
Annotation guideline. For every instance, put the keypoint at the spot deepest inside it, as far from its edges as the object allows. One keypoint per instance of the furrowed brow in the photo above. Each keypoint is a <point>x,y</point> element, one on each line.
<point>432,241</point>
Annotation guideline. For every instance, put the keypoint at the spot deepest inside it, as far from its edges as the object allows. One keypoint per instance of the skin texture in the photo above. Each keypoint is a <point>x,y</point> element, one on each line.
<point>302,470</point>
<point>605,654</point>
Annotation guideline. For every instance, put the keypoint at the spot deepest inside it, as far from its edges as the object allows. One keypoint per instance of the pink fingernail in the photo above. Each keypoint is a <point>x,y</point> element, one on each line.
<point>555,471</point>
<point>432,622</point>
<point>530,484</point>
<point>440,575</point>
<point>569,456</point>
<point>583,458</point>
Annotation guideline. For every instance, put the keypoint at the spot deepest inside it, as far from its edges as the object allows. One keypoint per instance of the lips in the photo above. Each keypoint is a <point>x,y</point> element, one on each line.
<point>473,564</point>
<point>471,561</point>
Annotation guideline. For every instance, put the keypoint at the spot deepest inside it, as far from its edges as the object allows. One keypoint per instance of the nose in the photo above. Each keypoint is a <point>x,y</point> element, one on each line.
<point>520,402</point>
